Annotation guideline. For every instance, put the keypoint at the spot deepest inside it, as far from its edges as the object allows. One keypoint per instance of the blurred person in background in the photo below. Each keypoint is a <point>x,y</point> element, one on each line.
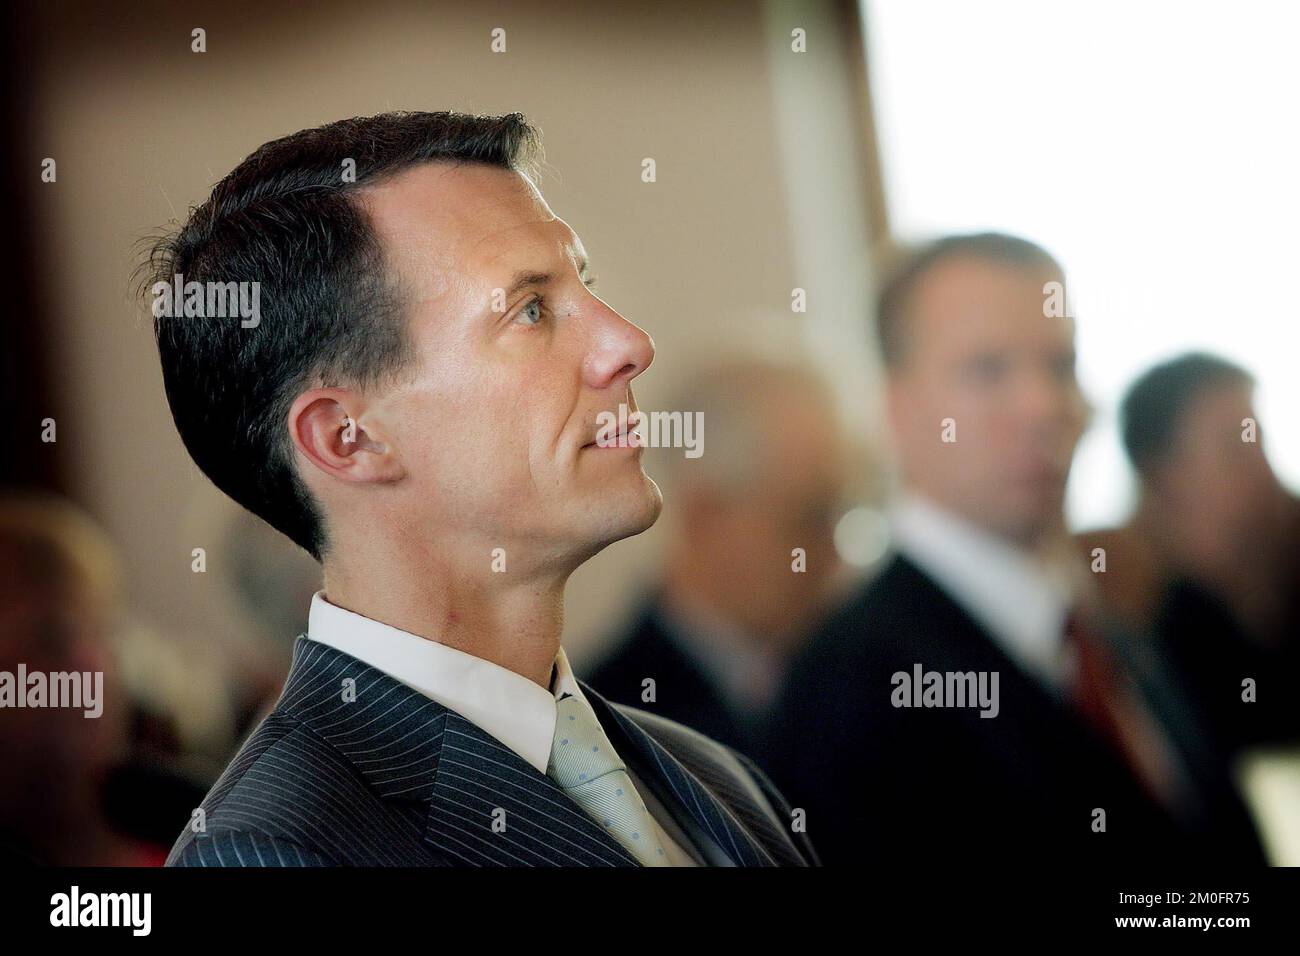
<point>716,635</point>
<point>1079,752</point>
<point>74,792</point>
<point>1210,563</point>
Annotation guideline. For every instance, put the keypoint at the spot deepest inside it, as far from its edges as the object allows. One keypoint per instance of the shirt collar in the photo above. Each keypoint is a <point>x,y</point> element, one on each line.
<point>509,706</point>
<point>563,681</point>
<point>1020,600</point>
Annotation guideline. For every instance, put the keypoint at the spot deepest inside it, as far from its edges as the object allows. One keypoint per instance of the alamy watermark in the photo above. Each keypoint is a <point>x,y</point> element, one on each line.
<point>922,688</point>
<point>133,911</point>
<point>208,300</point>
<point>651,430</point>
<point>79,690</point>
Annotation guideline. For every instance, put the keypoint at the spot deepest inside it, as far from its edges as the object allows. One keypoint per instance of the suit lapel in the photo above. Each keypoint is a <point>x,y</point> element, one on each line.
<point>490,807</point>
<point>477,801</point>
<point>688,799</point>
<point>480,803</point>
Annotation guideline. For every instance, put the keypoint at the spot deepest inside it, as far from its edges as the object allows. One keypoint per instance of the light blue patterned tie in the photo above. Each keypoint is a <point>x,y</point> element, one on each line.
<point>584,764</point>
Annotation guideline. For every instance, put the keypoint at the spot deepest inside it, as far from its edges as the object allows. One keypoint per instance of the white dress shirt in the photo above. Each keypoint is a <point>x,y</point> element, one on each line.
<point>516,711</point>
<point>1020,600</point>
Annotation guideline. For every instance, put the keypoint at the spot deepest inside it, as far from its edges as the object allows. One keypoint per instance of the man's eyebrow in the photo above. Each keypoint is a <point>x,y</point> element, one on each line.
<point>524,280</point>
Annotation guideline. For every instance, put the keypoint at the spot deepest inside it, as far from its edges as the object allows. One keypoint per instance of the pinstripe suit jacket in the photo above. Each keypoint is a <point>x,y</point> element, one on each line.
<point>393,778</point>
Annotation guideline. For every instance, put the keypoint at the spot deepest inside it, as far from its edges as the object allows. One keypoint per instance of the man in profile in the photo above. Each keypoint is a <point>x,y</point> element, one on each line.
<point>1081,752</point>
<point>418,406</point>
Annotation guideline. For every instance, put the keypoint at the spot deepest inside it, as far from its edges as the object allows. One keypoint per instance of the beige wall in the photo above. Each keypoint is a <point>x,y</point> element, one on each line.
<point>704,259</point>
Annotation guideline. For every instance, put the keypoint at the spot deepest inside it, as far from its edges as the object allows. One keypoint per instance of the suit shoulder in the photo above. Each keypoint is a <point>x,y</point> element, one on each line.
<point>244,849</point>
<point>697,751</point>
<point>287,788</point>
<point>885,620</point>
<point>663,728</point>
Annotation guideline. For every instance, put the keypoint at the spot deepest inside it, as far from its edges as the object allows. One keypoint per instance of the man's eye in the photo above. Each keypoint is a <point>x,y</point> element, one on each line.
<point>530,314</point>
<point>986,369</point>
<point>1064,367</point>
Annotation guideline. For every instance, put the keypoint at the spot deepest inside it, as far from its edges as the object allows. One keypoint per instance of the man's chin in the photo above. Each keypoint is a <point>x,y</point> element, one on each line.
<point>1036,518</point>
<point>642,507</point>
<point>656,504</point>
<point>625,511</point>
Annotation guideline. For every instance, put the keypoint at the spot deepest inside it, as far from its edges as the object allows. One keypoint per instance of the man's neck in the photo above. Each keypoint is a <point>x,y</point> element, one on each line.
<point>512,621</point>
<point>1019,595</point>
<point>1049,549</point>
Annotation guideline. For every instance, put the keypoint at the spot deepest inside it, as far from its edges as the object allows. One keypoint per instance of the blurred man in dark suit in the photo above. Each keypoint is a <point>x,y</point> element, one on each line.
<point>971,703</point>
<point>1220,537</point>
<point>709,647</point>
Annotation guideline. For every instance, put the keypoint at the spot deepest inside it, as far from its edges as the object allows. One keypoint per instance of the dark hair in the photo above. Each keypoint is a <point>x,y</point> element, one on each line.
<point>1155,404</point>
<point>896,294</point>
<point>328,312</point>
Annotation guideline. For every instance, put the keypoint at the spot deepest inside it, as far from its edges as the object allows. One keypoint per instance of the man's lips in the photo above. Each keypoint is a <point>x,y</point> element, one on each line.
<point>617,428</point>
<point>624,438</point>
<point>621,440</point>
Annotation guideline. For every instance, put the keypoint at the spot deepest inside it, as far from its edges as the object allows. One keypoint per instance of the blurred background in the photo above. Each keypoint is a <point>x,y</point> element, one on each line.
<point>799,147</point>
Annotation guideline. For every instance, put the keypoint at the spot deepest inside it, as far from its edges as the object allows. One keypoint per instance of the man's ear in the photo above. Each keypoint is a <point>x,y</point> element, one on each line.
<point>329,426</point>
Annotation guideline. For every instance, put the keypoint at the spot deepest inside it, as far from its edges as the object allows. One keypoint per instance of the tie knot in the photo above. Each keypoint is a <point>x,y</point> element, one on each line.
<point>580,751</point>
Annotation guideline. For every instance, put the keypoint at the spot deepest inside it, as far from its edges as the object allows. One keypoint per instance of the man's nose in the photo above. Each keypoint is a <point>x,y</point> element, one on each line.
<point>619,352</point>
<point>1044,398</point>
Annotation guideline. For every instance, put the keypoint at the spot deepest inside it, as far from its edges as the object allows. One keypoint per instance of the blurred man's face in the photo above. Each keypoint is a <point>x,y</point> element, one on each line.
<point>1221,492</point>
<point>793,501</point>
<point>496,422</point>
<point>979,350</point>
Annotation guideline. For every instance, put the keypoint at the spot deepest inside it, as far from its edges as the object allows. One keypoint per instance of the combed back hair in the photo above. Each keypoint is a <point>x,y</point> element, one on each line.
<point>289,218</point>
<point>1155,406</point>
<point>912,265</point>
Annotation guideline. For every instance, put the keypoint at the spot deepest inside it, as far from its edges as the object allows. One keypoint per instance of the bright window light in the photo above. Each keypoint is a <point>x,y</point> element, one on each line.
<point>1153,147</point>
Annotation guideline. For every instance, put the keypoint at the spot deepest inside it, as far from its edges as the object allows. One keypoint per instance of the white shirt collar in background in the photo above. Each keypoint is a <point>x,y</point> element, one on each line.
<point>1019,599</point>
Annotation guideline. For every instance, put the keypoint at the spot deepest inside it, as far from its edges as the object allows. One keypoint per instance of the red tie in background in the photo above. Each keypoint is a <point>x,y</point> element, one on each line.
<point>1106,700</point>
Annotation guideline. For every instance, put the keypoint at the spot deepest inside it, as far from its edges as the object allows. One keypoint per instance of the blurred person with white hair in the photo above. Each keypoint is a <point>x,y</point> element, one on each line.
<point>751,562</point>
